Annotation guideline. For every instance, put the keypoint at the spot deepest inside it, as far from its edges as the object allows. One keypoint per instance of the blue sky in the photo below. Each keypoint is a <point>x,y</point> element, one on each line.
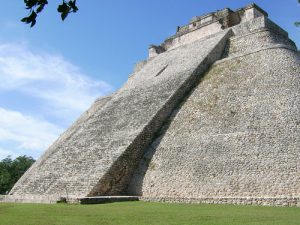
<point>53,72</point>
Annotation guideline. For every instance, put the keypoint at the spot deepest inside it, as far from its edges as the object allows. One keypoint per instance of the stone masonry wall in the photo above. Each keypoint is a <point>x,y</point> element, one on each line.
<point>235,139</point>
<point>265,201</point>
<point>182,131</point>
<point>29,186</point>
<point>255,41</point>
<point>193,36</point>
<point>99,155</point>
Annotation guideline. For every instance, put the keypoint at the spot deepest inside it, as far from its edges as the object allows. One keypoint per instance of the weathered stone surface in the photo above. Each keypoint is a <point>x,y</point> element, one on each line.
<point>265,201</point>
<point>99,153</point>
<point>236,136</point>
<point>181,130</point>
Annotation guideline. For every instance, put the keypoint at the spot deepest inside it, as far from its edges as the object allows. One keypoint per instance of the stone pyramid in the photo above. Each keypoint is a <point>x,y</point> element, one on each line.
<point>213,115</point>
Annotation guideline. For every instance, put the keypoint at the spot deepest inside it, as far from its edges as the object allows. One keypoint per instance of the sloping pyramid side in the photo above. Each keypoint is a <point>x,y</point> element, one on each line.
<point>99,153</point>
<point>235,139</point>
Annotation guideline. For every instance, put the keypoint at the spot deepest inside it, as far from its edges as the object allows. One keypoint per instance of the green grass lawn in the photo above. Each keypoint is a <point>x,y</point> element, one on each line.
<point>140,213</point>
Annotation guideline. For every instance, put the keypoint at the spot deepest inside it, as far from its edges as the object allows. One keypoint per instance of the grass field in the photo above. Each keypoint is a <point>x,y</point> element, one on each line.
<point>140,213</point>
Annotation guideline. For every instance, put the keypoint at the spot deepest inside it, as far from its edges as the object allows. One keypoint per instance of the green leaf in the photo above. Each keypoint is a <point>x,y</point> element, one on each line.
<point>25,20</point>
<point>33,22</point>
<point>32,18</point>
<point>30,3</point>
<point>40,8</point>
<point>37,6</point>
<point>72,4</point>
<point>63,8</point>
<point>44,2</point>
<point>64,15</point>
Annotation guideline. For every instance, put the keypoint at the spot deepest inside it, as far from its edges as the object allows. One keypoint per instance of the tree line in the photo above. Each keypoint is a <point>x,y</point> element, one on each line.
<point>12,170</point>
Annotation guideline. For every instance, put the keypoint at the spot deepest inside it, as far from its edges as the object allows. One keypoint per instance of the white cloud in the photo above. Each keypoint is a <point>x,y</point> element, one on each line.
<point>48,77</point>
<point>26,132</point>
<point>62,91</point>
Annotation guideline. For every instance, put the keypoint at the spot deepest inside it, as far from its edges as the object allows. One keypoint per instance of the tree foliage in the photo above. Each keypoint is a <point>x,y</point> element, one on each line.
<point>36,6</point>
<point>12,170</point>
